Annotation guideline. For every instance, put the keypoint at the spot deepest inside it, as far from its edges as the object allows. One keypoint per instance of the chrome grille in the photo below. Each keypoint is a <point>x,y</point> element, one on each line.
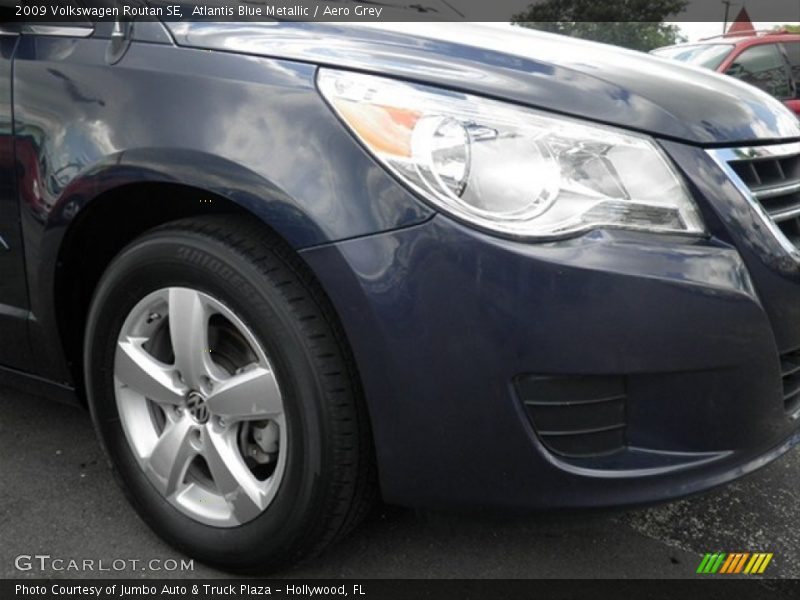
<point>771,175</point>
<point>775,183</point>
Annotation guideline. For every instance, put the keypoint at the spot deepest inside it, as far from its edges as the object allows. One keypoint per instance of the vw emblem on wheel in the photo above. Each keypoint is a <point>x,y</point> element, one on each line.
<point>196,405</point>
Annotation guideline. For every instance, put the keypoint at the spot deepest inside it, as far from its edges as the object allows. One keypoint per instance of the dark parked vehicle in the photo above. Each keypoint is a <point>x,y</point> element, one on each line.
<point>285,263</point>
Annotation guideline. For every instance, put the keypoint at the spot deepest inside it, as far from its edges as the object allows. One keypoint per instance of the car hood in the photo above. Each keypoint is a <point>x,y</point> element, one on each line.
<point>556,73</point>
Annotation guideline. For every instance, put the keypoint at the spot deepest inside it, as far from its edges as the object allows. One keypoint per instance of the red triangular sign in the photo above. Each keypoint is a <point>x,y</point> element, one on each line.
<point>742,24</point>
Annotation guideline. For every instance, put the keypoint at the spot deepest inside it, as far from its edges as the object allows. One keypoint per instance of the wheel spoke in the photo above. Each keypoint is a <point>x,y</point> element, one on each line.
<point>250,394</point>
<point>167,463</point>
<point>232,477</point>
<point>188,328</point>
<point>135,368</point>
<point>229,421</point>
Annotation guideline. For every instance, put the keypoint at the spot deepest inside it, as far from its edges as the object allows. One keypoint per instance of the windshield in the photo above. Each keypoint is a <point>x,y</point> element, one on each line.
<point>709,56</point>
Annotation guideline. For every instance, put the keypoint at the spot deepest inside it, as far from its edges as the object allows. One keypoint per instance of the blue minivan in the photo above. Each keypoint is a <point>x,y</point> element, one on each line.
<point>291,266</point>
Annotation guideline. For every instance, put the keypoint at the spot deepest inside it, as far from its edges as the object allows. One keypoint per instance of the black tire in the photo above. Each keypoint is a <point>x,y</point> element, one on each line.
<point>328,483</point>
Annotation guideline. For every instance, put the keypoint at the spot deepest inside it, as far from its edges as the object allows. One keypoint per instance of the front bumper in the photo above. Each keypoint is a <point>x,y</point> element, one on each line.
<point>444,321</point>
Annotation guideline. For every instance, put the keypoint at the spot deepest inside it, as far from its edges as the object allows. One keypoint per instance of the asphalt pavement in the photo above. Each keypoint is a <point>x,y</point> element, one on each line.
<point>58,498</point>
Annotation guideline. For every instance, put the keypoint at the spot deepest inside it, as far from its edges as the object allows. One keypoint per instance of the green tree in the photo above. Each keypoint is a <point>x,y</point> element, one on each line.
<point>637,24</point>
<point>791,28</point>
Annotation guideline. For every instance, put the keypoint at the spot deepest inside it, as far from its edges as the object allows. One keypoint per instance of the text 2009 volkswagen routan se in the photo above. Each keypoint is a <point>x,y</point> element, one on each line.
<point>286,265</point>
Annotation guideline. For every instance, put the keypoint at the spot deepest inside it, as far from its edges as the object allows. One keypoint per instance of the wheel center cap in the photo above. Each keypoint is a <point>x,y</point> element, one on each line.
<point>197,407</point>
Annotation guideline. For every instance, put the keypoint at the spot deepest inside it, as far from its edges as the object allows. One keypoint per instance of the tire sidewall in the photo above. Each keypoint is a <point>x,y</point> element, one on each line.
<point>177,259</point>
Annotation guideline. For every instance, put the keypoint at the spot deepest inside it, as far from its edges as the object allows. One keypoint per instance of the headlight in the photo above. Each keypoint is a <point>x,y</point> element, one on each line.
<point>510,169</point>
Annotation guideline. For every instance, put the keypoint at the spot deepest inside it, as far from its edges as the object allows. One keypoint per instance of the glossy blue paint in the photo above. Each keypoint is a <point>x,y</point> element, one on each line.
<point>575,77</point>
<point>251,130</point>
<point>441,318</point>
<point>776,273</point>
<point>222,122</point>
<point>14,350</point>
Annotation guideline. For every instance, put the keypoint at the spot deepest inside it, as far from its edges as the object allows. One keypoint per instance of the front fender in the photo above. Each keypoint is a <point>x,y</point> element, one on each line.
<point>249,129</point>
<point>234,124</point>
<point>213,174</point>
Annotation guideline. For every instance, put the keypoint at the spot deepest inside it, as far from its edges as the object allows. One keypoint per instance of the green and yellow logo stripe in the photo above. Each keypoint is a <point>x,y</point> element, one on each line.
<point>735,562</point>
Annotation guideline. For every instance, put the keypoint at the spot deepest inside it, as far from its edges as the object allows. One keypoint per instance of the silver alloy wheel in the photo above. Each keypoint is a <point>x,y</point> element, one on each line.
<point>200,406</point>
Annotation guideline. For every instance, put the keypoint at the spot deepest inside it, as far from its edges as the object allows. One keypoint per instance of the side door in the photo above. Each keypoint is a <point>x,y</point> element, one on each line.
<point>14,343</point>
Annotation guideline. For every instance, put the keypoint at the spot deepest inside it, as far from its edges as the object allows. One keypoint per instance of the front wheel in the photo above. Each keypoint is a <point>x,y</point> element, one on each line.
<point>224,394</point>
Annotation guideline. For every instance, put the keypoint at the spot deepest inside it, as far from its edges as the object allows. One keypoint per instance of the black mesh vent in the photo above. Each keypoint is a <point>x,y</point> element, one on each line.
<point>576,416</point>
<point>790,372</point>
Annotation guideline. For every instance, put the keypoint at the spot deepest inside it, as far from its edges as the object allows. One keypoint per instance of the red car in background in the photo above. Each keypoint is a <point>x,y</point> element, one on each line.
<point>768,60</point>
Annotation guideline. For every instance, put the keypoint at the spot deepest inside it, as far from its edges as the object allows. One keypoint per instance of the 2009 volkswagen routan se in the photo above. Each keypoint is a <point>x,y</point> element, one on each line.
<point>285,264</point>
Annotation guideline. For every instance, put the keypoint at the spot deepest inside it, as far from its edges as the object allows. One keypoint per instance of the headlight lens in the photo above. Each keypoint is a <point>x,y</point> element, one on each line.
<point>510,169</point>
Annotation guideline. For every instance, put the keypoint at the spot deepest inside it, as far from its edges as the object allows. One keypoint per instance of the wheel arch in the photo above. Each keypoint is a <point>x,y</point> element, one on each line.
<point>101,230</point>
<point>107,207</point>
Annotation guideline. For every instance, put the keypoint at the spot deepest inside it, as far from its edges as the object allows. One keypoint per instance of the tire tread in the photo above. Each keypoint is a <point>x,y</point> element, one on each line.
<point>354,487</point>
